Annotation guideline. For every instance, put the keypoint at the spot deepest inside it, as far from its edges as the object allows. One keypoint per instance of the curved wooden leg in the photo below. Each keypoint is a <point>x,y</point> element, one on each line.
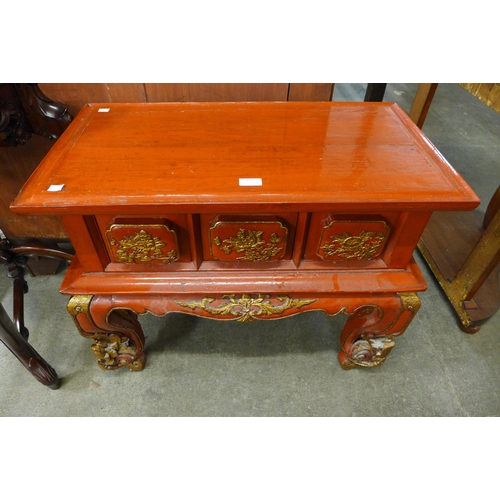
<point>20,288</point>
<point>367,337</point>
<point>15,271</point>
<point>117,334</point>
<point>24,352</point>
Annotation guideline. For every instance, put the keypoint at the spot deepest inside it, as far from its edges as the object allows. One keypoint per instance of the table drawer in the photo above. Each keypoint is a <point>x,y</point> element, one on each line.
<point>246,239</point>
<point>346,240</point>
<point>139,242</point>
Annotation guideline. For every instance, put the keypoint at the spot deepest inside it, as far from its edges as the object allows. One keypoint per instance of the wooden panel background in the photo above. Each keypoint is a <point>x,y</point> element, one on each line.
<point>489,93</point>
<point>17,163</point>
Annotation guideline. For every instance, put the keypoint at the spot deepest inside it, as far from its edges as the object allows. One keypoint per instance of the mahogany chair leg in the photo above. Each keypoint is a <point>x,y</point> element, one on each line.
<point>20,286</point>
<point>15,334</point>
<point>25,353</point>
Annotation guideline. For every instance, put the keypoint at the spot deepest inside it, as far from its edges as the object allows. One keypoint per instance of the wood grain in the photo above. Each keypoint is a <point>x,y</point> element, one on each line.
<point>489,93</point>
<point>349,156</point>
<point>19,164</point>
<point>310,91</point>
<point>212,92</point>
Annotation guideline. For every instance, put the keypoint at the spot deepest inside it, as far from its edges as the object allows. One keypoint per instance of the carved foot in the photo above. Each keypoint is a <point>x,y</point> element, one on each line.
<point>367,338</point>
<point>117,334</point>
<point>25,353</point>
<point>44,373</point>
<point>114,351</point>
<point>471,329</point>
<point>368,352</point>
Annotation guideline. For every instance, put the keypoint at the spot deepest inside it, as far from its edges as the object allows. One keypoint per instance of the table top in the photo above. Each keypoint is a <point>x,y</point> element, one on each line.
<point>354,156</point>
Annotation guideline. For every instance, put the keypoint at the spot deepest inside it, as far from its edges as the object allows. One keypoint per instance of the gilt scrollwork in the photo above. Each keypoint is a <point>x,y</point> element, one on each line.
<point>246,308</point>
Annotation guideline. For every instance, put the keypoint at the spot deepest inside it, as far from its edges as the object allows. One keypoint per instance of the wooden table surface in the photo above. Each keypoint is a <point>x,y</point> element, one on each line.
<point>346,155</point>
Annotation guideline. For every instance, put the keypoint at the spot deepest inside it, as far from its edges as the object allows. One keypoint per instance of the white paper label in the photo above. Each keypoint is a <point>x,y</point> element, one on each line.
<point>255,181</point>
<point>55,187</point>
<point>103,110</point>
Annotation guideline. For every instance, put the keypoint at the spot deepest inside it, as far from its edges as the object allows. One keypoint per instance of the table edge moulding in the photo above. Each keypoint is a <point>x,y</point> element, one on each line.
<point>244,212</point>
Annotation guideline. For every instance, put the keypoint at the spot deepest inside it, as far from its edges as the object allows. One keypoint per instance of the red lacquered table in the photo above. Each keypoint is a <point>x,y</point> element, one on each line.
<point>243,211</point>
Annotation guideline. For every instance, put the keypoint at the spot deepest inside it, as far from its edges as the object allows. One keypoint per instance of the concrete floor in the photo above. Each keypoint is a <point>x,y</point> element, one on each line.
<point>199,367</point>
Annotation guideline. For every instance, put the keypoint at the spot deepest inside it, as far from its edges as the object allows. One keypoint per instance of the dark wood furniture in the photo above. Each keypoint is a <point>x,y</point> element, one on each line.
<point>25,353</point>
<point>463,251</point>
<point>375,92</point>
<point>243,211</point>
<point>14,334</point>
<point>29,124</point>
<point>25,112</point>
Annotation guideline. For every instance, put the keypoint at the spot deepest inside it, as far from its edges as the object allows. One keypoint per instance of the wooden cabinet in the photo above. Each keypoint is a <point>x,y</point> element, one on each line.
<point>243,211</point>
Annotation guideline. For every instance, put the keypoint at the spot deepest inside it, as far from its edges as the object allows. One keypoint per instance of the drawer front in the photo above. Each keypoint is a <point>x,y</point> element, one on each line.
<point>247,239</point>
<point>146,242</point>
<point>352,240</point>
<point>140,243</point>
<point>346,240</point>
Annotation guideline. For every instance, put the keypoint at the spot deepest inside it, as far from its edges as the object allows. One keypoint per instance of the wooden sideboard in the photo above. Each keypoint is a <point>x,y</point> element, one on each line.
<point>243,211</point>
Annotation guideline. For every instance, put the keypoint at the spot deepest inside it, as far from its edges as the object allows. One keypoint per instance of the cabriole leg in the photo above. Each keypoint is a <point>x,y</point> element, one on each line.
<point>367,337</point>
<point>116,332</point>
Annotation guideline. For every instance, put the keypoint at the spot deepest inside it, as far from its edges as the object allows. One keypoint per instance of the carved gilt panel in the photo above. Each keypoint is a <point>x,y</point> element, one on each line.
<point>250,241</point>
<point>142,243</point>
<point>345,240</point>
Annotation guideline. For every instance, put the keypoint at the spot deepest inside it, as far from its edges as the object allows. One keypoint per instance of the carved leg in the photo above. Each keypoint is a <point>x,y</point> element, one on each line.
<point>117,334</point>
<point>367,337</point>
<point>24,352</point>
<point>20,288</point>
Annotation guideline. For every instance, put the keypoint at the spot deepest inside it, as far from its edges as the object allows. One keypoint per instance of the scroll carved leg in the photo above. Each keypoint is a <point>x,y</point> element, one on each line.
<point>367,337</point>
<point>116,332</point>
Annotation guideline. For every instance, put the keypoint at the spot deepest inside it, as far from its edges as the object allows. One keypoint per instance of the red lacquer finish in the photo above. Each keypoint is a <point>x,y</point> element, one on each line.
<point>243,211</point>
<point>348,156</point>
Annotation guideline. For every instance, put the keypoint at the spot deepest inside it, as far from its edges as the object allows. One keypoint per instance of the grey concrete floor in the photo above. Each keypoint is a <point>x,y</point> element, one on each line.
<point>199,367</point>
